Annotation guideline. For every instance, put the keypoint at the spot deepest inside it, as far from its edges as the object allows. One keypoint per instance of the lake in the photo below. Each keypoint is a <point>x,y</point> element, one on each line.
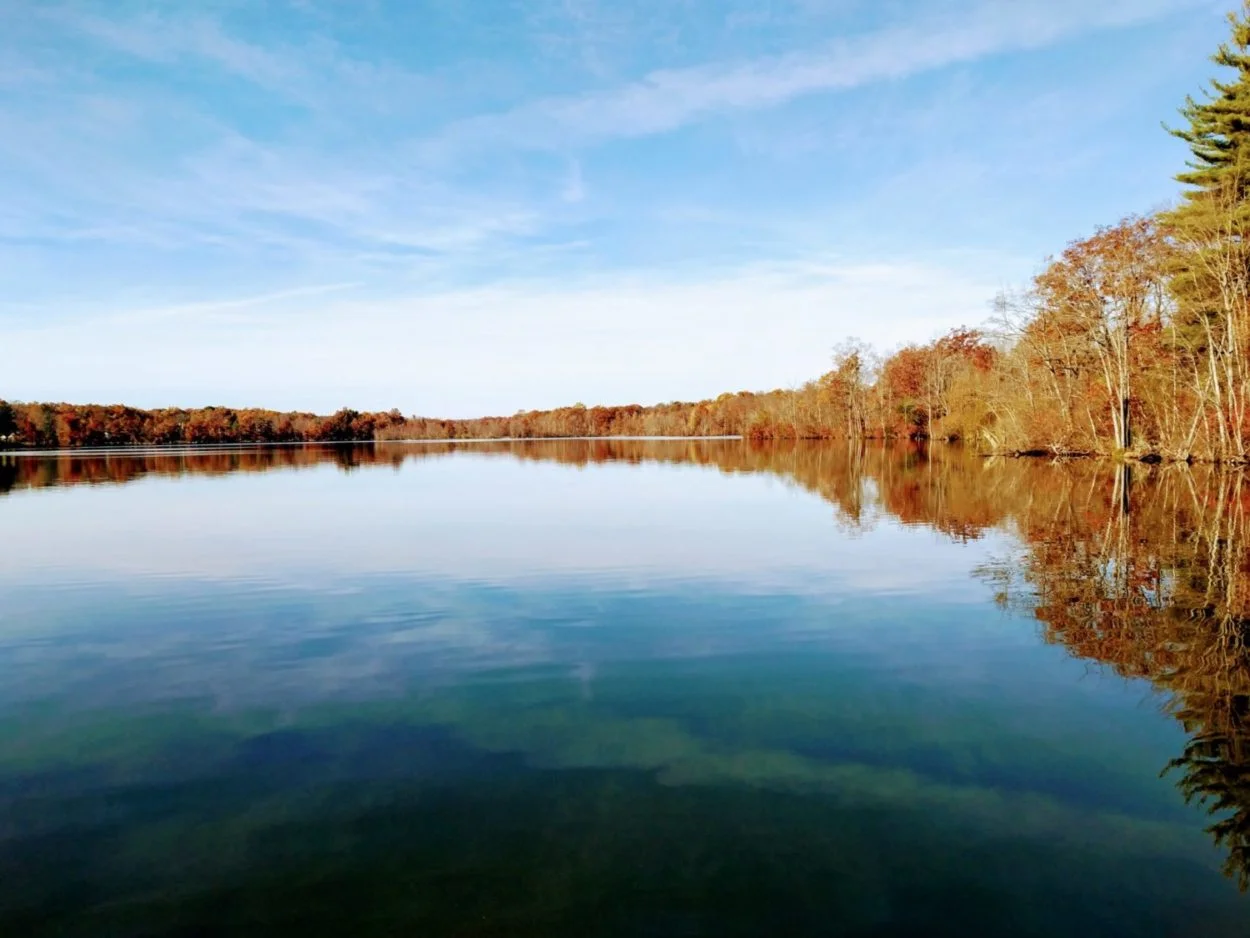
<point>621,688</point>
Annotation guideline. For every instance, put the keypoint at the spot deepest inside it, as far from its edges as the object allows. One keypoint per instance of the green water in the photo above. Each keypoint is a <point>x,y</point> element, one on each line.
<point>581,689</point>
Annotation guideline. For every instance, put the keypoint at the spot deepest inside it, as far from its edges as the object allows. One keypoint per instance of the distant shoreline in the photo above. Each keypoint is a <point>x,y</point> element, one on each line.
<point>175,449</point>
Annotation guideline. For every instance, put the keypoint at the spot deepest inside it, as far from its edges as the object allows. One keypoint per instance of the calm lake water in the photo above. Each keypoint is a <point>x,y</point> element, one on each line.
<point>621,688</point>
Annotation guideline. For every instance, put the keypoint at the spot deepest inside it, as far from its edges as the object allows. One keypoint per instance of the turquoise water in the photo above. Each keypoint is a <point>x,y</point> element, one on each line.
<point>485,692</point>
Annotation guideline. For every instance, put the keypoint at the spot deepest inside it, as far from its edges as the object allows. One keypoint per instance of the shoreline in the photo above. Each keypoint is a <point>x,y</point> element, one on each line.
<point>173,449</point>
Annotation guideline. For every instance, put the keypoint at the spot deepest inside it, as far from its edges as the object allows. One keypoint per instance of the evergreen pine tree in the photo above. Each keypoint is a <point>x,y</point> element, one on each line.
<point>1211,229</point>
<point>1219,135</point>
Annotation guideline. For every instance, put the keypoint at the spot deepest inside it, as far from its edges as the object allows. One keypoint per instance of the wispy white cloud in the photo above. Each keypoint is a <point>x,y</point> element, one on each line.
<point>317,73</point>
<point>211,310</point>
<point>229,192</point>
<point>668,99</point>
<point>316,194</point>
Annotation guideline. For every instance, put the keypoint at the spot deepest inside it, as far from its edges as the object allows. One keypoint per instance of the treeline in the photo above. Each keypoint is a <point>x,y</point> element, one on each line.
<point>69,426</point>
<point>919,391</point>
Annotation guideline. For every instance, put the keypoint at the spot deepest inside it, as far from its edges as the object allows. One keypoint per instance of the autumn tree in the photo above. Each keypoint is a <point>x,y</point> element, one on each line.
<point>848,386</point>
<point>954,364</point>
<point>1210,227</point>
<point>1099,293</point>
<point>902,381</point>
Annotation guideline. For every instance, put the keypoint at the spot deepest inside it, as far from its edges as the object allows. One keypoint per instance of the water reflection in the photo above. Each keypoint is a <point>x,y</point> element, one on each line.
<point>1145,573</point>
<point>1148,574</point>
<point>1153,580</point>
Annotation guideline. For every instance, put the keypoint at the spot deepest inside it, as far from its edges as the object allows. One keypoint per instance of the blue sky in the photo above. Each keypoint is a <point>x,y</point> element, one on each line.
<point>461,207</point>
